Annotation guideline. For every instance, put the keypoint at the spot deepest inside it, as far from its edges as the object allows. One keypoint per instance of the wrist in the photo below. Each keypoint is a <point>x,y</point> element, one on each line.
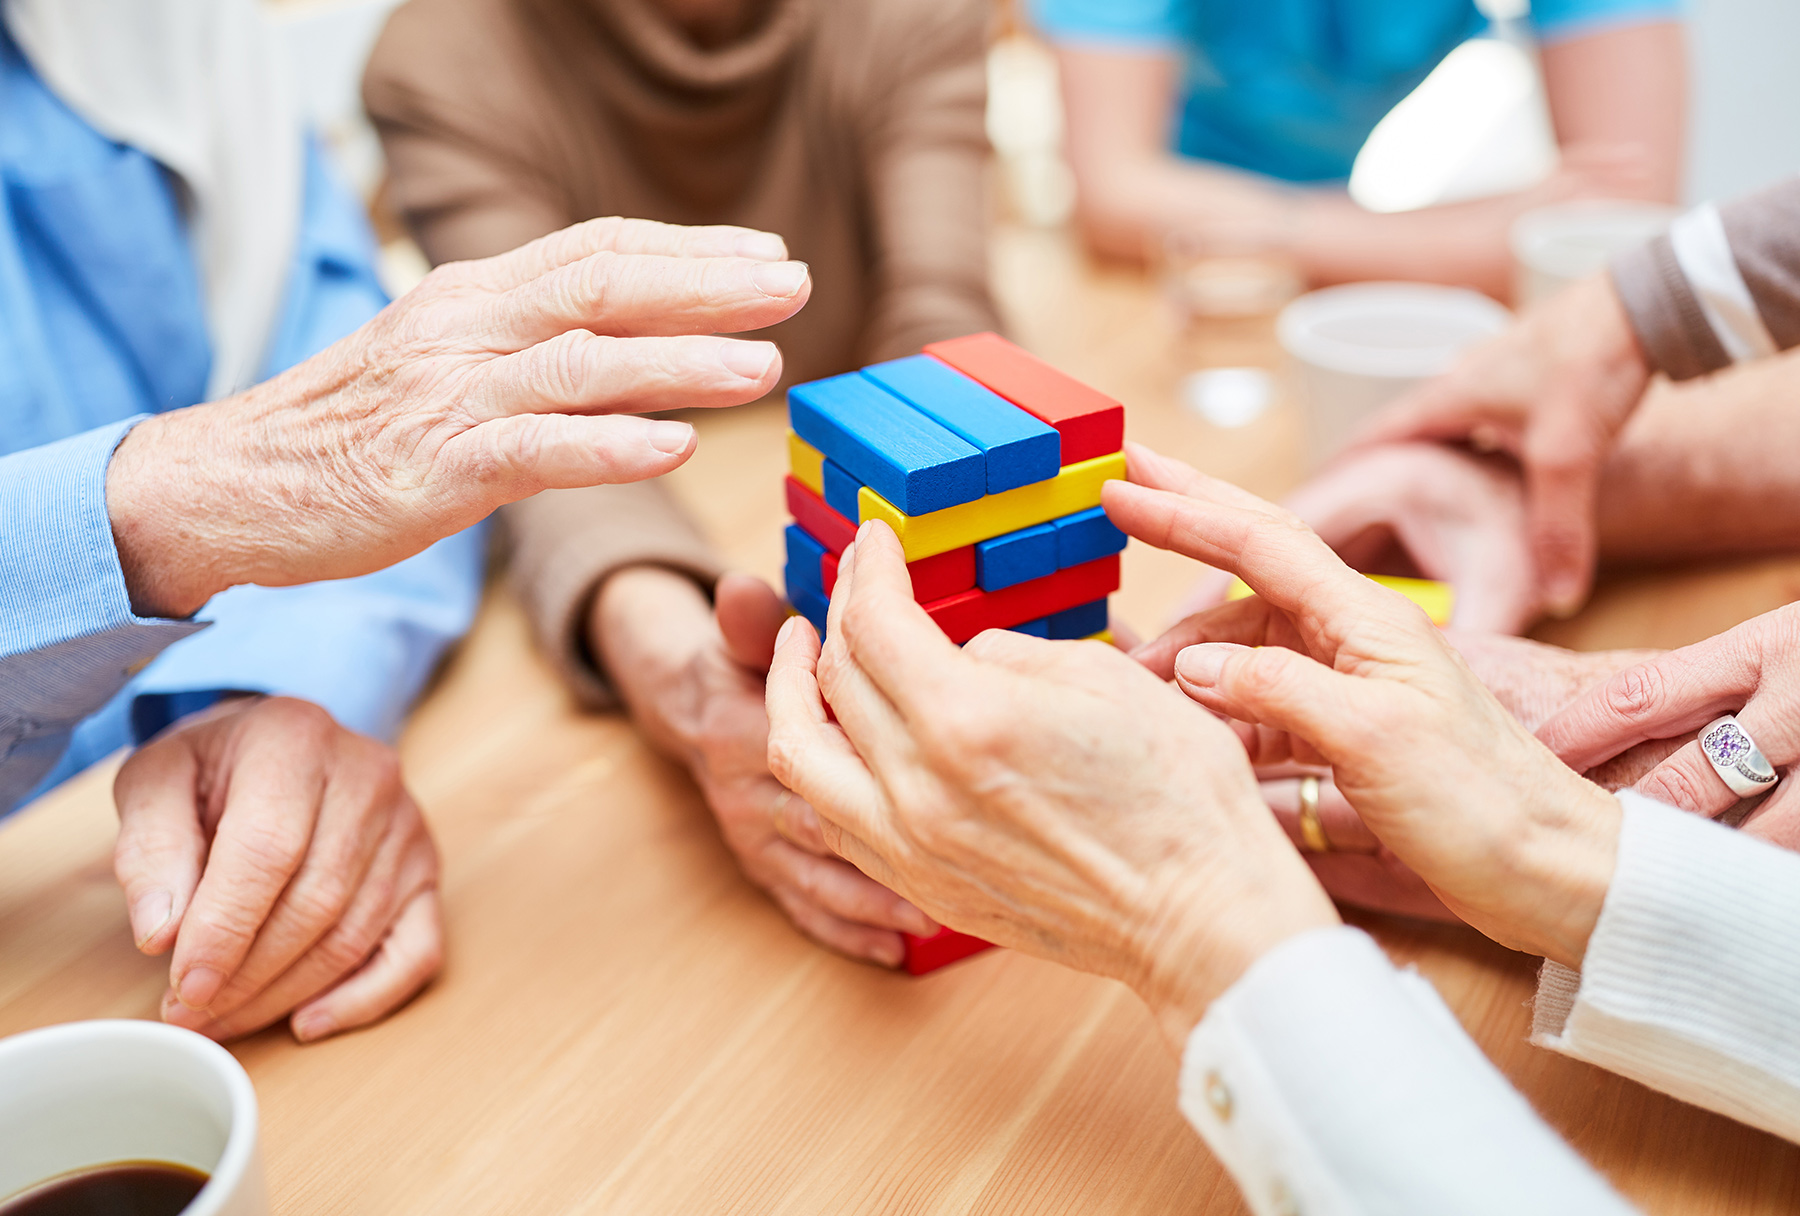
<point>1621,368</point>
<point>646,628</point>
<point>1202,944</point>
<point>168,545</point>
<point>1560,867</point>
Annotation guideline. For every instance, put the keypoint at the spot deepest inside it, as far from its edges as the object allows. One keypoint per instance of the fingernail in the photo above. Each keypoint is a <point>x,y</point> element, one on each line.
<point>751,360</point>
<point>199,986</point>
<point>781,635</point>
<point>890,954</point>
<point>149,914</point>
<point>670,437</point>
<point>312,1024</point>
<point>763,246</point>
<point>1200,665</point>
<point>780,280</point>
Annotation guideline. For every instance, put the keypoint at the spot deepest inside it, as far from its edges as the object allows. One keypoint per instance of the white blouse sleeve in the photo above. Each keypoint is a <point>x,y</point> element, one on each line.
<point>1691,983</point>
<point>1329,1083</point>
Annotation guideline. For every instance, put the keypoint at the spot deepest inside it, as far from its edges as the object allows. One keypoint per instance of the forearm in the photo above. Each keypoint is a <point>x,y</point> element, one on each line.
<point>1464,244</point>
<point>1127,201</point>
<point>1704,470</point>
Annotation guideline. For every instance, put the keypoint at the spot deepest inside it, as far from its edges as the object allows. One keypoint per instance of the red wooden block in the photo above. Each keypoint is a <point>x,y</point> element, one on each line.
<point>1090,423</point>
<point>933,578</point>
<point>942,948</point>
<point>965,615</point>
<point>825,525</point>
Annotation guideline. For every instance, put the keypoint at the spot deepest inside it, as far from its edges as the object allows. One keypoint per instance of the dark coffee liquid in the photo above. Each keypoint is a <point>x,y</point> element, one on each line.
<point>125,1188</point>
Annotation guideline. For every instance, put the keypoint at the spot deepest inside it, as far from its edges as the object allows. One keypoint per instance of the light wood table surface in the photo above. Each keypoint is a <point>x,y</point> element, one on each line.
<point>624,1025</point>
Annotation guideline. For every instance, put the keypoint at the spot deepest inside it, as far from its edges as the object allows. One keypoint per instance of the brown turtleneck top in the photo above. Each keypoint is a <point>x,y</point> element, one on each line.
<point>851,127</point>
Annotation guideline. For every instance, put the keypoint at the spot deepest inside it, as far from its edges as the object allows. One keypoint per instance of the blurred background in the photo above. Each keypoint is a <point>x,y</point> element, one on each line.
<point>1187,336</point>
<point>1476,126</point>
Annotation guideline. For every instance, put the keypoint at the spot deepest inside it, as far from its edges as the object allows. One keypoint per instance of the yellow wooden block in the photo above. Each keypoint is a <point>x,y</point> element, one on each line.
<point>1105,635</point>
<point>1076,488</point>
<point>807,464</point>
<point>1437,599</point>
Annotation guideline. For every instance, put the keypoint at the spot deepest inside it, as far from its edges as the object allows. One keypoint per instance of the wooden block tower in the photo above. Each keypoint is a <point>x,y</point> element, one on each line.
<point>987,463</point>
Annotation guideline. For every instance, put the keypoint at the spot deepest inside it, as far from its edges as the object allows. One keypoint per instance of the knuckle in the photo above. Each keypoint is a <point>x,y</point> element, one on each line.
<point>1678,785</point>
<point>303,721</point>
<point>956,734</point>
<point>785,753</point>
<point>1635,692</point>
<point>348,946</point>
<point>322,899</point>
<point>1261,675</point>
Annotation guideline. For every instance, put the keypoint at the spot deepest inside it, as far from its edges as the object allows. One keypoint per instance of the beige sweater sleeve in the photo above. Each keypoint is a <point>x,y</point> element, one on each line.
<point>926,159</point>
<point>466,193</point>
<point>1721,286</point>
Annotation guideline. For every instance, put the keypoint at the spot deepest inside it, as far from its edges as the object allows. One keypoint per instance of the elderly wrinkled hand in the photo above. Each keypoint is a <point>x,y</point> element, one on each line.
<point>1324,667</point>
<point>487,383</point>
<point>1751,671</point>
<point>1533,681</point>
<point>1051,796</point>
<point>694,680</point>
<point>281,859</point>
<point>1553,391</point>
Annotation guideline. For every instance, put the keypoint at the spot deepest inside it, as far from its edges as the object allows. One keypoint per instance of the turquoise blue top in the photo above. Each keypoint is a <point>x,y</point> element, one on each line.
<point>1292,88</point>
<point>102,323</point>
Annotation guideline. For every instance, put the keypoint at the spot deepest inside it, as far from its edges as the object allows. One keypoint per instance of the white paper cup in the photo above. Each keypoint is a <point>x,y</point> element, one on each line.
<point>92,1093</point>
<point>1357,347</point>
<point>1554,246</point>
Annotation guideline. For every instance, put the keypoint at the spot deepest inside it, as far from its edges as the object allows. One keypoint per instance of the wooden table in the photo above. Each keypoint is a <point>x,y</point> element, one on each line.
<point>625,1026</point>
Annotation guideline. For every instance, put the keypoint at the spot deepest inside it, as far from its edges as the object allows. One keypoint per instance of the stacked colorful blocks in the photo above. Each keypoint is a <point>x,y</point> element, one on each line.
<point>987,463</point>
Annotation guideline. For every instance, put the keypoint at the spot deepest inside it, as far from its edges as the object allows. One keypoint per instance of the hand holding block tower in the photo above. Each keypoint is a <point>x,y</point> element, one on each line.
<point>987,463</point>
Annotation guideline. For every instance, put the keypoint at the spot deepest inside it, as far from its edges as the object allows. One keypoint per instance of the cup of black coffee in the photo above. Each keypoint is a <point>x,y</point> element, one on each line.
<point>126,1118</point>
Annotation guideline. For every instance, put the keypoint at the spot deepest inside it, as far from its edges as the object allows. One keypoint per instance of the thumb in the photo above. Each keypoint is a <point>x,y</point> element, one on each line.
<point>1274,687</point>
<point>161,848</point>
<point>516,456</point>
<point>750,615</point>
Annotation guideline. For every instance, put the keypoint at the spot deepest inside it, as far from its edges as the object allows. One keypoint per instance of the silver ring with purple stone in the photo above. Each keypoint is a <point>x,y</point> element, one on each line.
<point>1734,755</point>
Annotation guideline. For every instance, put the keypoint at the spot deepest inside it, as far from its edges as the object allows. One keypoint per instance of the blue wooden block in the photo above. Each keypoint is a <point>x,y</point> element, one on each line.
<point>1081,621</point>
<point>1039,628</point>
<point>1016,557</point>
<point>805,560</point>
<point>840,490</point>
<point>1019,448</point>
<point>887,445</point>
<point>1086,536</point>
<point>807,602</point>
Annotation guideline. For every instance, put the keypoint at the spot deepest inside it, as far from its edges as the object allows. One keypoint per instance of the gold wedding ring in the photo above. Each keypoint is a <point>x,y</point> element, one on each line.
<point>1312,832</point>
